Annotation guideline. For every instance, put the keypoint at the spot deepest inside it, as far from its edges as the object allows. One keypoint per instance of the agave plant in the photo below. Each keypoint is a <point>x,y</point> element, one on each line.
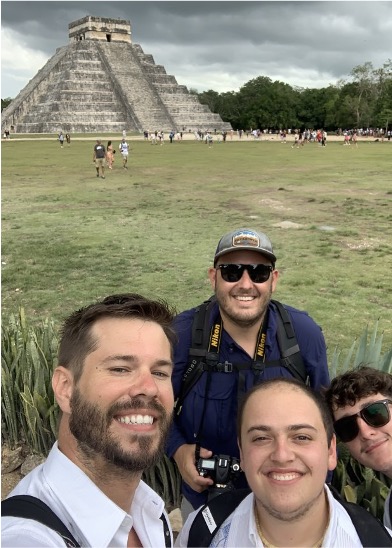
<point>363,351</point>
<point>28,356</point>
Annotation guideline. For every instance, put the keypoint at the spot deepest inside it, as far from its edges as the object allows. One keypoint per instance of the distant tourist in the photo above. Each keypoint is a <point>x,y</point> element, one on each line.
<point>99,158</point>
<point>124,149</point>
<point>61,139</point>
<point>209,139</point>
<point>68,138</point>
<point>110,155</point>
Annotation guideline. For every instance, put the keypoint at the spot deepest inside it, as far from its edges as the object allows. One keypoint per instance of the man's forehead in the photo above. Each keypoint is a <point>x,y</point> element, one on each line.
<point>281,400</point>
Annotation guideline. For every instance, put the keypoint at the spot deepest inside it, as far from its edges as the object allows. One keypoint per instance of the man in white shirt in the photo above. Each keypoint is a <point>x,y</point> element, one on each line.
<point>124,149</point>
<point>361,403</point>
<point>113,386</point>
<point>287,446</point>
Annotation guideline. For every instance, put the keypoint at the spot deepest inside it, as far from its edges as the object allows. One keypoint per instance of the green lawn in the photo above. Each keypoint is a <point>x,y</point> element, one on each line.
<point>69,238</point>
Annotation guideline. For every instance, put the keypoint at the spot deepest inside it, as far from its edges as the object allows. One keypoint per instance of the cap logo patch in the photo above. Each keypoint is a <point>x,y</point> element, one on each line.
<point>246,239</point>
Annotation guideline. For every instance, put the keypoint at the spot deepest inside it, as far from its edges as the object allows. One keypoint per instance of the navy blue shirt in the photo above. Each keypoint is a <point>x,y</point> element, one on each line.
<point>218,432</point>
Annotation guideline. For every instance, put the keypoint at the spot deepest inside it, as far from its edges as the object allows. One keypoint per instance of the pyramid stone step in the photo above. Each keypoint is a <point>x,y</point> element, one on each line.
<point>101,81</point>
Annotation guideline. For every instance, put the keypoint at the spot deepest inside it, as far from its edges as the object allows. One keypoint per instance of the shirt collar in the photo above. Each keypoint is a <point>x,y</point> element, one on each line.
<point>97,518</point>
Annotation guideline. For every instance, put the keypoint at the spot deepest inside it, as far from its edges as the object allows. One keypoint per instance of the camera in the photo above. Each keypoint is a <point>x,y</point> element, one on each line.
<point>220,468</point>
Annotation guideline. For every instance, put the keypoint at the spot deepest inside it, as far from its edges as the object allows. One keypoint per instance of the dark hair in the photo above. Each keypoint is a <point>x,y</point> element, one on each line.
<point>316,397</point>
<point>76,340</point>
<point>363,381</point>
<point>109,143</point>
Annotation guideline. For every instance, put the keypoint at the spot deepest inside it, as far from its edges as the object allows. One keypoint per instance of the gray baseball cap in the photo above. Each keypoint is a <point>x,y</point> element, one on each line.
<point>247,239</point>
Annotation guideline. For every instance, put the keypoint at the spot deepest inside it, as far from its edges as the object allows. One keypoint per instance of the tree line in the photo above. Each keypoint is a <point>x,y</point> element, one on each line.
<point>364,100</point>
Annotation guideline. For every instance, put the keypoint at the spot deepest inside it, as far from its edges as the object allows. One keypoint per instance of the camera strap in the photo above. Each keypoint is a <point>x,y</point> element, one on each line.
<point>205,346</point>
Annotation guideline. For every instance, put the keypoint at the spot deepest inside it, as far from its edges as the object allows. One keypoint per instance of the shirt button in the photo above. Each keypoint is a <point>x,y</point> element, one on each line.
<point>127,523</point>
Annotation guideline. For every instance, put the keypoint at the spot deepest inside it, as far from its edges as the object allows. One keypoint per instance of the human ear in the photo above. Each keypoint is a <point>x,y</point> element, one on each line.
<point>332,455</point>
<point>212,277</point>
<point>63,384</point>
<point>275,276</point>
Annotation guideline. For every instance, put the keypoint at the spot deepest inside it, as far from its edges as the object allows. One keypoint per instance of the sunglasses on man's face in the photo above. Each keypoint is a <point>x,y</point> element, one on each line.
<point>258,273</point>
<point>375,414</point>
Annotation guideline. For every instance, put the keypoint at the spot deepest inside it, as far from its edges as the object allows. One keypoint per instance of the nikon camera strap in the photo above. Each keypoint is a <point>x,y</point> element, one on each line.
<point>204,351</point>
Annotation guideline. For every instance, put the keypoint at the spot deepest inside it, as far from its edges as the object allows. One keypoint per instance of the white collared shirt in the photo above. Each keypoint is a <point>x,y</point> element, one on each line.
<point>92,518</point>
<point>239,529</point>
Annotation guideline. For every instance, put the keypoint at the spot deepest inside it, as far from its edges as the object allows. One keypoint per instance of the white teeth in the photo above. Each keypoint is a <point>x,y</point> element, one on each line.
<point>136,419</point>
<point>284,477</point>
<point>243,298</point>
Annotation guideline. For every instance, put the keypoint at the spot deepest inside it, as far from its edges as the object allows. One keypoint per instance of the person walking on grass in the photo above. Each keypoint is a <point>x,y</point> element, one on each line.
<point>113,387</point>
<point>110,155</point>
<point>99,158</point>
<point>124,149</point>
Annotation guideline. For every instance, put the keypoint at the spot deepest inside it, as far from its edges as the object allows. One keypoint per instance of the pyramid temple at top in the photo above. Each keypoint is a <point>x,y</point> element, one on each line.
<point>102,82</point>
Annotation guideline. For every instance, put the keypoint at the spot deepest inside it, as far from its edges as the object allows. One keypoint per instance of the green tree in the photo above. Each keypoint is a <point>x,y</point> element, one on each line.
<point>5,102</point>
<point>212,99</point>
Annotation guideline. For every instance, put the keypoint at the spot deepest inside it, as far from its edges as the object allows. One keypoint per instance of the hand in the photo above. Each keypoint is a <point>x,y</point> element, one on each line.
<point>185,459</point>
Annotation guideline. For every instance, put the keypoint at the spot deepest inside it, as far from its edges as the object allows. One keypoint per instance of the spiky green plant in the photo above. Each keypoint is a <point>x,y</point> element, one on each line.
<point>366,350</point>
<point>28,356</point>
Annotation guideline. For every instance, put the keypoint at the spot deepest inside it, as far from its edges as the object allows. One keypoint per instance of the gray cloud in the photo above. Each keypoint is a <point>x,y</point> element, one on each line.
<point>211,45</point>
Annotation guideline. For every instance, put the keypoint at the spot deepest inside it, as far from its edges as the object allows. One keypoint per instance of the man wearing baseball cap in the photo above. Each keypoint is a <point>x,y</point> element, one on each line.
<point>224,348</point>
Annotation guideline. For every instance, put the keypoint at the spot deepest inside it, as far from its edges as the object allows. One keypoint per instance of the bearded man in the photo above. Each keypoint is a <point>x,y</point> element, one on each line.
<point>113,387</point>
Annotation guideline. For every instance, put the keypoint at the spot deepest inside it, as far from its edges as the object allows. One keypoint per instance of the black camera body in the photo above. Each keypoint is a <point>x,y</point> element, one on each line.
<point>220,468</point>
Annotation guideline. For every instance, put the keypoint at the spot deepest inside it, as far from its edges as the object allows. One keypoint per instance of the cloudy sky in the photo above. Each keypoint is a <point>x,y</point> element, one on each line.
<point>211,45</point>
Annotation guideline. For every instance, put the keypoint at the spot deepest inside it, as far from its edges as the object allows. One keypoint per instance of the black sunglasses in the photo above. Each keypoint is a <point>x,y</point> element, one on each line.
<point>258,273</point>
<point>375,414</point>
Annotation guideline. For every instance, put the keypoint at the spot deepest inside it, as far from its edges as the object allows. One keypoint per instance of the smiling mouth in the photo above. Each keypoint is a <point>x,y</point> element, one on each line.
<point>371,448</point>
<point>284,477</point>
<point>136,419</point>
<point>244,298</point>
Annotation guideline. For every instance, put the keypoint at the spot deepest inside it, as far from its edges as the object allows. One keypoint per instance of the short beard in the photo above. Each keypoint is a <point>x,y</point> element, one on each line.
<point>90,426</point>
<point>243,322</point>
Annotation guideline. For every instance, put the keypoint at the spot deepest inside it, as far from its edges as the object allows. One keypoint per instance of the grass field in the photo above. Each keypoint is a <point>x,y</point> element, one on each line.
<point>70,238</point>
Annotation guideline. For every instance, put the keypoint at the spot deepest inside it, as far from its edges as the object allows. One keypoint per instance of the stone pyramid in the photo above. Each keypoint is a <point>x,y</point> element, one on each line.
<point>102,82</point>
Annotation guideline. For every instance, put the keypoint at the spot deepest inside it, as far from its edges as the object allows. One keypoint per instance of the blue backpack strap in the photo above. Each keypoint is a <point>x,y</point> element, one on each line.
<point>211,516</point>
<point>28,507</point>
<point>289,350</point>
<point>197,352</point>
